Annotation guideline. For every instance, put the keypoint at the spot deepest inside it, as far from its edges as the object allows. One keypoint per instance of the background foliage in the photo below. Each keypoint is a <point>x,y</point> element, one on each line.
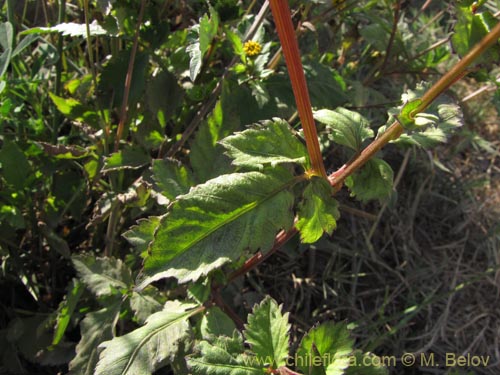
<point>414,270</point>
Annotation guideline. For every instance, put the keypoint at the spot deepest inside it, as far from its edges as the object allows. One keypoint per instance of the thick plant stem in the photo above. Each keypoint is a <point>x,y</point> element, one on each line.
<point>286,33</point>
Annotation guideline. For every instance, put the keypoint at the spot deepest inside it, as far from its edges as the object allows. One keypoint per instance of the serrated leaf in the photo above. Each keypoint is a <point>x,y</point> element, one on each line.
<point>431,127</point>
<point>270,143</point>
<point>224,357</point>
<point>373,181</point>
<point>141,235</point>
<point>216,221</point>
<point>216,323</point>
<point>347,128</point>
<point>101,275</point>
<point>95,328</point>
<point>267,332</point>
<point>325,350</point>
<point>144,304</point>
<point>318,211</point>
<point>149,347</point>
<point>128,158</point>
<point>171,177</point>
<point>365,364</point>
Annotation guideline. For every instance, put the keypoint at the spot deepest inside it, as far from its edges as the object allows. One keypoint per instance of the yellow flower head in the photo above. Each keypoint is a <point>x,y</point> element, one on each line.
<point>252,48</point>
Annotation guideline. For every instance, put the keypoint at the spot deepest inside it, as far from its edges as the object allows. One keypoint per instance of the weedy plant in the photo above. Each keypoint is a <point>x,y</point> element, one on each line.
<point>159,133</point>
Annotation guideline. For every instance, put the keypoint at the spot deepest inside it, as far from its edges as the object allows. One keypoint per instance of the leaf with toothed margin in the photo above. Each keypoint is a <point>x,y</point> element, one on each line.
<point>216,221</point>
<point>271,143</point>
<point>348,128</point>
<point>318,212</point>
<point>150,347</point>
<point>267,332</point>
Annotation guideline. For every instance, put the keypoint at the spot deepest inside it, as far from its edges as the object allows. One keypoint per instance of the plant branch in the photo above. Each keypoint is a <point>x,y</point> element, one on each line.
<point>128,79</point>
<point>286,33</point>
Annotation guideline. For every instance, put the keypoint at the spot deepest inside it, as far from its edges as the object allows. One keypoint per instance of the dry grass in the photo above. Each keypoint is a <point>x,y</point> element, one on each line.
<point>425,278</point>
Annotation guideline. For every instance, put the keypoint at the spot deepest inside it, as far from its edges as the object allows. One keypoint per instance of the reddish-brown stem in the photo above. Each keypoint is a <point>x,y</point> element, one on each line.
<point>219,301</point>
<point>128,79</point>
<point>259,257</point>
<point>284,26</point>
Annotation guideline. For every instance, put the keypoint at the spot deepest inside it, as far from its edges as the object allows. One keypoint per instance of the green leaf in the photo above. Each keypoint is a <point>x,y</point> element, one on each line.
<point>224,357</point>
<point>439,121</point>
<point>144,304</point>
<point>6,40</point>
<point>67,307</point>
<point>270,143</point>
<point>95,328</point>
<point>470,29</point>
<point>365,364</point>
<point>15,165</point>
<point>75,110</point>
<point>111,85</point>
<point>201,36</point>
<point>208,30</point>
<point>149,347</point>
<point>163,94</point>
<point>128,158</point>
<point>328,345</point>
<point>373,181</point>
<point>267,332</point>
<point>141,235</point>
<point>216,323</point>
<point>206,156</point>
<point>216,221</point>
<point>102,275</point>
<point>171,177</point>
<point>347,128</point>
<point>70,28</point>
<point>318,211</point>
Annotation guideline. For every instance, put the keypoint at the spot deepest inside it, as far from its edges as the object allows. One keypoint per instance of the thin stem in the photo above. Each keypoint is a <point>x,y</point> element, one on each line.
<point>128,79</point>
<point>56,120</point>
<point>393,33</point>
<point>337,178</point>
<point>286,33</point>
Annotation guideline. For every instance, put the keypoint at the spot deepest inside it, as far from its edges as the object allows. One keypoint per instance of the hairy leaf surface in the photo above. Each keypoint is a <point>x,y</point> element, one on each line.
<point>216,221</point>
<point>225,356</point>
<point>96,327</point>
<point>373,181</point>
<point>318,211</point>
<point>271,143</point>
<point>267,333</point>
<point>149,347</point>
<point>101,275</point>
<point>328,345</point>
<point>347,128</point>
<point>172,178</point>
